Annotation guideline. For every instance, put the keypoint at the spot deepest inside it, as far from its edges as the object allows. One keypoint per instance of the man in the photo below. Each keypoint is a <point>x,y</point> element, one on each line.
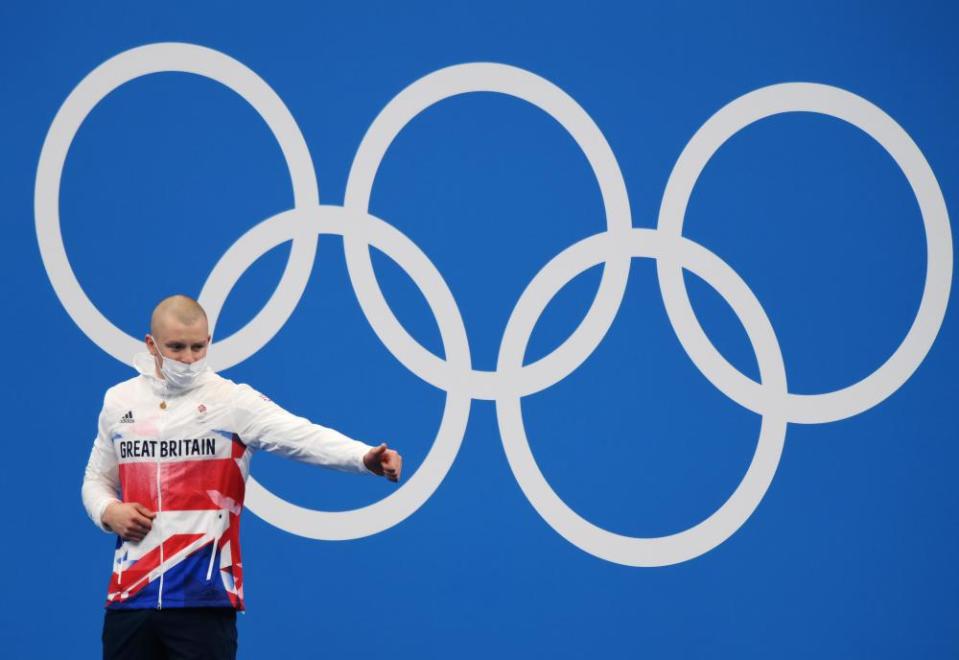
<point>167,474</point>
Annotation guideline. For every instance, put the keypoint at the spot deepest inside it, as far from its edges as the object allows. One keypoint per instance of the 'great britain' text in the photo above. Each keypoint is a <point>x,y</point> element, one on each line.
<point>183,448</point>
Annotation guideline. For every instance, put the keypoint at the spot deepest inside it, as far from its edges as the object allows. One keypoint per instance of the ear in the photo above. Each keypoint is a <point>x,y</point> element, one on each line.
<point>150,343</point>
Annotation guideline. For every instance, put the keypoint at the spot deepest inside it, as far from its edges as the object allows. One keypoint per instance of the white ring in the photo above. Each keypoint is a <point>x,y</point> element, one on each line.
<point>826,100</point>
<point>435,87</point>
<point>723,523</point>
<point>121,69</point>
<point>417,488</point>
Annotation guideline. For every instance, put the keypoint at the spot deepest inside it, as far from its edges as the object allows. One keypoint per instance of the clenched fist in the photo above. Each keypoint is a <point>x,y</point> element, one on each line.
<point>384,462</point>
<point>131,520</point>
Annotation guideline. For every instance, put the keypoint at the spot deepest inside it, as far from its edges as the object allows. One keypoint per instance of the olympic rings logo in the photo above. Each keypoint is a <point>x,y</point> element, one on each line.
<point>511,380</point>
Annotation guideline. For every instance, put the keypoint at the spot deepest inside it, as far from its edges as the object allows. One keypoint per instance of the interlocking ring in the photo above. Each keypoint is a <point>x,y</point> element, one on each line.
<point>512,379</point>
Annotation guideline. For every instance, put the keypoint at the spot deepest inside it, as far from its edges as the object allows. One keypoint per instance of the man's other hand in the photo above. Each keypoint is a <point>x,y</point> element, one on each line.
<point>131,520</point>
<point>384,462</point>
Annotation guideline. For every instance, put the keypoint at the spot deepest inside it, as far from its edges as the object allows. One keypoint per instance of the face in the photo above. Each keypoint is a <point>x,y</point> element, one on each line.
<point>179,341</point>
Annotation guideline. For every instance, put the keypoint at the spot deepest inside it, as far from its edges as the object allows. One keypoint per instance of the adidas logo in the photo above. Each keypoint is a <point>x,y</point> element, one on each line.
<point>128,418</point>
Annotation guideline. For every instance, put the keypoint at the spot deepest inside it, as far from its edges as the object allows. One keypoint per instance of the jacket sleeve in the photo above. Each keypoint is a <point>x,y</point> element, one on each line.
<point>101,479</point>
<point>262,424</point>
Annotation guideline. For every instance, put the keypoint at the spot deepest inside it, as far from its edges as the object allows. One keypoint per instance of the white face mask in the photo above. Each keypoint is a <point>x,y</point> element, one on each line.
<point>179,375</point>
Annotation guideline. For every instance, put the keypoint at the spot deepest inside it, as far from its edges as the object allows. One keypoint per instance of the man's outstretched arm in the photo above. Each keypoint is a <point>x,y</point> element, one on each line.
<point>262,424</point>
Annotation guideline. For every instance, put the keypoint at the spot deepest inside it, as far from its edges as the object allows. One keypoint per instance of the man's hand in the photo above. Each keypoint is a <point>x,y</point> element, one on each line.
<point>130,520</point>
<point>384,462</point>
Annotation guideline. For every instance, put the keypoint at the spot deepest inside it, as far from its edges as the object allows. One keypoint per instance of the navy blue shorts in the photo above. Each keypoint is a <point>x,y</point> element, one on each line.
<point>171,634</point>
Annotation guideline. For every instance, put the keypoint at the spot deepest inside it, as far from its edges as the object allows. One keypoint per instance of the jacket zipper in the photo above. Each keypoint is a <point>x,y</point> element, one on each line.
<point>159,509</point>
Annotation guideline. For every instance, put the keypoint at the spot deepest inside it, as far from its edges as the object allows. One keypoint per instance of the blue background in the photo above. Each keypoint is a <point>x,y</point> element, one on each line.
<point>850,554</point>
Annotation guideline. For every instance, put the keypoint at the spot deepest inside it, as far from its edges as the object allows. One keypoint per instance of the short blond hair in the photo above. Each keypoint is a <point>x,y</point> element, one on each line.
<point>183,308</point>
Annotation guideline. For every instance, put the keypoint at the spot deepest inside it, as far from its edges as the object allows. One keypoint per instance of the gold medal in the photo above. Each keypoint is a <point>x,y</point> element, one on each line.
<point>163,405</point>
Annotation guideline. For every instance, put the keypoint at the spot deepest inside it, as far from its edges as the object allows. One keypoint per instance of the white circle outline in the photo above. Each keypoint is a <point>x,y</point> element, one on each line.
<point>539,92</point>
<point>721,524</point>
<point>855,110</point>
<point>417,488</point>
<point>108,76</point>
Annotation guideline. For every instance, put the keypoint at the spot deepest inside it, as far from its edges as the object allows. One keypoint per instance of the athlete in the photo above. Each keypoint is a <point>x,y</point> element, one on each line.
<point>167,475</point>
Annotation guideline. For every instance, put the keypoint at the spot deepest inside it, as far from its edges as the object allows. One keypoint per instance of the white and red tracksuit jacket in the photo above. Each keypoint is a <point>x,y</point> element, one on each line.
<point>186,456</point>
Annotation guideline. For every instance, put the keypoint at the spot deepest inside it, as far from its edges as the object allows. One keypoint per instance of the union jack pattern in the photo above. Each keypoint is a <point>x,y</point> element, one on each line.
<point>191,557</point>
